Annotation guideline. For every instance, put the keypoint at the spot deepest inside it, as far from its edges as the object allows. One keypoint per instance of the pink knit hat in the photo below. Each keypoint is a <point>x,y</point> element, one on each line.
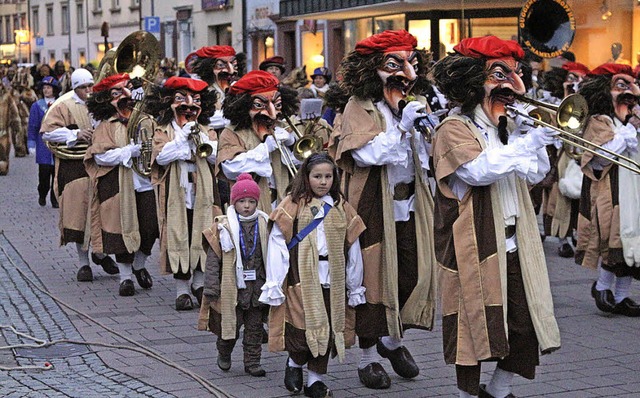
<point>245,187</point>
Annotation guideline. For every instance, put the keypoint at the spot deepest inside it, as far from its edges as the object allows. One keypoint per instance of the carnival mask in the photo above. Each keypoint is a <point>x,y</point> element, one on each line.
<point>625,92</point>
<point>186,106</point>
<point>120,98</point>
<point>398,72</point>
<point>226,71</point>
<point>265,109</point>
<point>503,81</point>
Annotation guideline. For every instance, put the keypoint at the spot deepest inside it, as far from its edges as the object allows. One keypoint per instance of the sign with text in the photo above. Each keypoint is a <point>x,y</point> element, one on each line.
<point>152,24</point>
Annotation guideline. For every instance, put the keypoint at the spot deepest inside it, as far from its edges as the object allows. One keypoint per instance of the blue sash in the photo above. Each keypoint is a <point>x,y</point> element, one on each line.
<point>307,230</point>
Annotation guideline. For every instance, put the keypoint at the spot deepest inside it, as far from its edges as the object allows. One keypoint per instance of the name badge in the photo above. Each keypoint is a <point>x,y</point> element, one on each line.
<point>249,274</point>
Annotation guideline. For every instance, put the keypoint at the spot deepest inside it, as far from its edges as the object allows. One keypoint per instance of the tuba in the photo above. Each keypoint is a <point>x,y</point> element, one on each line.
<point>139,56</point>
<point>60,150</point>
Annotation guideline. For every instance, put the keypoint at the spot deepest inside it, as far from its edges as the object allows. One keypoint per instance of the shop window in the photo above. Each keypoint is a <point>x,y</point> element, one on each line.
<point>421,29</point>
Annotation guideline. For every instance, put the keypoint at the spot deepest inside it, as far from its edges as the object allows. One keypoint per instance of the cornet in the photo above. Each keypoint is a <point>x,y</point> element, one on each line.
<point>203,149</point>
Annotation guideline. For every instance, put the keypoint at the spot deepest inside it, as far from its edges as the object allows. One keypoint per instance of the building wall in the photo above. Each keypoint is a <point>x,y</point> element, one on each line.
<point>13,16</point>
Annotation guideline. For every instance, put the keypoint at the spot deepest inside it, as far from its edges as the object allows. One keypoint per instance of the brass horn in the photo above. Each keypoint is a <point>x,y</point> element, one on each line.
<point>203,149</point>
<point>139,56</point>
<point>571,115</point>
<point>546,27</point>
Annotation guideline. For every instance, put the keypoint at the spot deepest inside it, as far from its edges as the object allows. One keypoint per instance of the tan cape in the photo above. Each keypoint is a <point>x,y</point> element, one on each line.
<point>470,246</point>
<point>234,142</point>
<point>599,217</point>
<point>304,307</point>
<point>117,214</point>
<point>175,251</point>
<point>71,182</point>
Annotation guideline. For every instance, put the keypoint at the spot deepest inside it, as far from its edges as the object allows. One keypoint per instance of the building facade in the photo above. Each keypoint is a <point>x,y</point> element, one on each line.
<point>14,35</point>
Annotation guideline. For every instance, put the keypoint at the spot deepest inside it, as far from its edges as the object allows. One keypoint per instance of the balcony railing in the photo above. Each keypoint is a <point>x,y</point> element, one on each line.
<point>292,8</point>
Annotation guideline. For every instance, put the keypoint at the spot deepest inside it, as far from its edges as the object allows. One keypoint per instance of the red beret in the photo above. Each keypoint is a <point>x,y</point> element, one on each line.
<point>612,69</point>
<point>209,52</point>
<point>272,61</point>
<point>254,82</point>
<point>110,81</point>
<point>194,85</point>
<point>387,41</point>
<point>489,47</point>
<point>576,67</point>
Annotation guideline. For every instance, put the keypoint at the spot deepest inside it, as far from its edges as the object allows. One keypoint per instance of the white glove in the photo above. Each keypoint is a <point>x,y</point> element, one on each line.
<point>284,136</point>
<point>186,129</point>
<point>630,135</point>
<point>410,113</point>
<point>137,94</point>
<point>271,143</point>
<point>523,124</point>
<point>540,137</point>
<point>32,151</point>
<point>631,250</point>
<point>134,150</point>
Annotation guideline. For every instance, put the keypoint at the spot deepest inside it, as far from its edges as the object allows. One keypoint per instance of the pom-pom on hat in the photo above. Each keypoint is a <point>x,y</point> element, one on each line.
<point>255,82</point>
<point>110,81</point>
<point>273,61</point>
<point>245,187</point>
<point>489,47</point>
<point>387,41</point>
<point>175,82</point>
<point>612,69</point>
<point>576,67</point>
<point>209,52</point>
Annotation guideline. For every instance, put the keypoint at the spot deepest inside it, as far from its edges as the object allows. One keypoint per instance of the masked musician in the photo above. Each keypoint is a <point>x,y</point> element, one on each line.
<point>123,205</point>
<point>253,106</point>
<point>609,219</point>
<point>218,66</point>
<point>385,162</point>
<point>561,199</point>
<point>496,299</point>
<point>184,152</point>
<point>68,123</point>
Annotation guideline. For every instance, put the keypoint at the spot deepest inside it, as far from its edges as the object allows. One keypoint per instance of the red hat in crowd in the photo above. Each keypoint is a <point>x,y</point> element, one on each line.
<point>576,67</point>
<point>489,47</point>
<point>245,187</point>
<point>612,69</point>
<point>272,61</point>
<point>110,81</point>
<point>255,82</point>
<point>387,41</point>
<point>209,52</point>
<point>194,85</point>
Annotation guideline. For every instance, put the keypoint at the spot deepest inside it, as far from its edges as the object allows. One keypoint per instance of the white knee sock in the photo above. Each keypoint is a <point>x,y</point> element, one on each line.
<point>198,279</point>
<point>500,385</point>
<point>83,255</point>
<point>125,271</point>
<point>139,260</point>
<point>293,364</point>
<point>391,343</point>
<point>464,394</point>
<point>182,287</point>
<point>605,279</point>
<point>312,377</point>
<point>623,284</point>
<point>369,355</point>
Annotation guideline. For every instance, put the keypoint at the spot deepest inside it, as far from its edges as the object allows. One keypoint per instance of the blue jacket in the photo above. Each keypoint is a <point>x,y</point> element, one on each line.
<point>34,138</point>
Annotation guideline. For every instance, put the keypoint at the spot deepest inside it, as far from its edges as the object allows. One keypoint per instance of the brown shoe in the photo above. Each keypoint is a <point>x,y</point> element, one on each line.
<point>255,370</point>
<point>184,303</point>
<point>374,376</point>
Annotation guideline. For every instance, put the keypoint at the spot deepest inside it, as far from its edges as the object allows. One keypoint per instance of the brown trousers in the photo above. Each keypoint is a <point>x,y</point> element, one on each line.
<point>523,344</point>
<point>251,318</point>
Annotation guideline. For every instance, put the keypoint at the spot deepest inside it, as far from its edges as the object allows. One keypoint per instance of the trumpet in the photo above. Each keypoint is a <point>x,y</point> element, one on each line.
<point>571,115</point>
<point>203,149</point>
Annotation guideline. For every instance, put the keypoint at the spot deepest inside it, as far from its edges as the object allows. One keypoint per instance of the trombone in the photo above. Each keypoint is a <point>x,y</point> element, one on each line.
<point>571,115</point>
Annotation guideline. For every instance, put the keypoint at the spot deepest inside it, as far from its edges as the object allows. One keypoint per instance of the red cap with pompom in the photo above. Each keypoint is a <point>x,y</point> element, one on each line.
<point>245,187</point>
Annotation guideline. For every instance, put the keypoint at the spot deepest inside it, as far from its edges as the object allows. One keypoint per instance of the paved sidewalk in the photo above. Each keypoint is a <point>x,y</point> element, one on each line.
<point>599,355</point>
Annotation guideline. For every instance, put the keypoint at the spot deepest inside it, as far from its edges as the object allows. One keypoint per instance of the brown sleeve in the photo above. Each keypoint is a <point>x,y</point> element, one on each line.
<point>284,215</point>
<point>355,225</point>
<point>454,145</point>
<point>599,130</point>
<point>54,118</point>
<point>229,146</point>
<point>103,140</point>
<point>357,129</point>
<point>160,139</point>
<point>213,261</point>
